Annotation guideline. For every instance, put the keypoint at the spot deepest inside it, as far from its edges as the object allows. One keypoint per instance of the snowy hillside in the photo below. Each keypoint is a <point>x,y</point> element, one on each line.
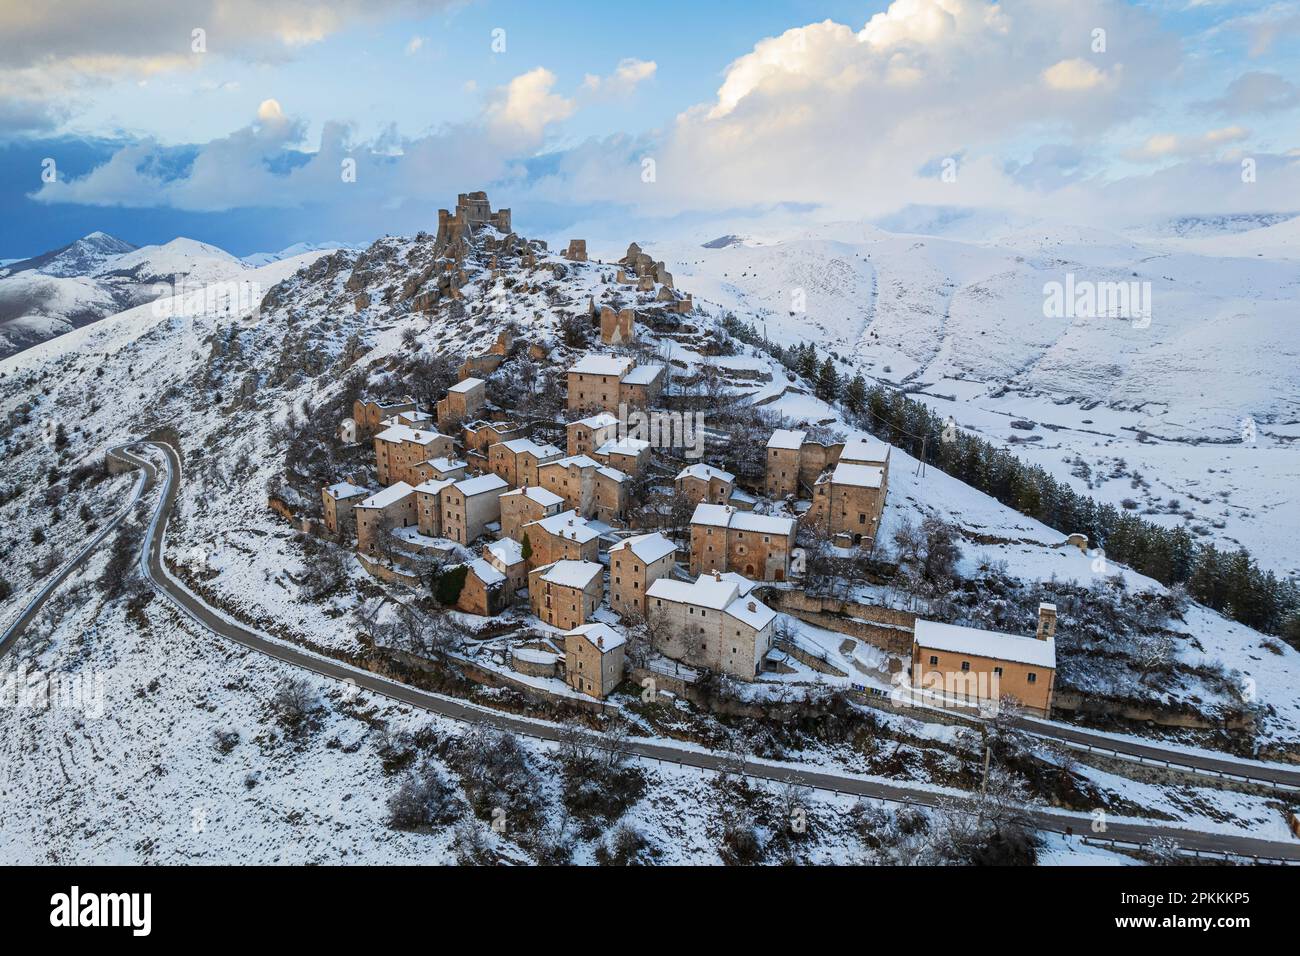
<point>959,321</point>
<point>97,276</point>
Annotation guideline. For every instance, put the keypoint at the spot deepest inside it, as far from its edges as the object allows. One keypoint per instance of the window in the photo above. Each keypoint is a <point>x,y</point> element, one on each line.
<point>934,660</point>
<point>965,665</point>
<point>1031,677</point>
<point>998,671</point>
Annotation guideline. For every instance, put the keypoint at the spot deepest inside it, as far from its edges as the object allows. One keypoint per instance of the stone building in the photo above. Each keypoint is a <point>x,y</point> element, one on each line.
<point>628,455</point>
<point>399,451</point>
<point>849,500</point>
<point>617,327</point>
<point>473,211</point>
<point>507,556</point>
<point>565,594</point>
<point>576,251</point>
<point>587,434</point>
<point>428,505</point>
<point>389,508</point>
<point>594,659</point>
<point>437,469</point>
<point>968,665</point>
<point>337,501</point>
<point>517,460</point>
<point>600,382</point>
<point>634,564</point>
<point>794,462</point>
<point>522,505</point>
<point>469,506</point>
<point>370,414</point>
<point>485,592</point>
<point>481,435</point>
<point>757,546</point>
<point>709,623</point>
<point>464,401</point>
<point>565,536</point>
<point>588,487</point>
<point>701,482</point>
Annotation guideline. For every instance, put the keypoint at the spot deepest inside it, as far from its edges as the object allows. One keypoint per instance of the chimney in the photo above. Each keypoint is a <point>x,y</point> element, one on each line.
<point>1046,621</point>
<point>717,575</point>
<point>752,607</point>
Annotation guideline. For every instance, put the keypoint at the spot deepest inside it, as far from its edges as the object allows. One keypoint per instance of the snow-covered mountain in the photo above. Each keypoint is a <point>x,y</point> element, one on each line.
<point>1205,395</point>
<point>258,259</point>
<point>97,276</point>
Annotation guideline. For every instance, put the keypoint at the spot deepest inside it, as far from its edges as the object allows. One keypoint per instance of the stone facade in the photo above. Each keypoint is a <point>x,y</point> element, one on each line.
<point>702,482</point>
<point>399,450</point>
<point>481,435</point>
<point>594,659</point>
<point>393,507</point>
<point>336,504</point>
<point>370,414</point>
<point>634,564</point>
<point>522,505</point>
<point>587,434</point>
<point>464,401</point>
<point>710,623</point>
<point>757,546</point>
<point>588,487</point>
<point>565,536</point>
<point>517,460</point>
<point>617,327</point>
<point>469,506</point>
<point>566,594</point>
<point>576,251</point>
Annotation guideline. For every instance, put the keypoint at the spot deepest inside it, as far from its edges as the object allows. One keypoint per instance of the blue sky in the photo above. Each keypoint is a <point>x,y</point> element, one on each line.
<point>749,110</point>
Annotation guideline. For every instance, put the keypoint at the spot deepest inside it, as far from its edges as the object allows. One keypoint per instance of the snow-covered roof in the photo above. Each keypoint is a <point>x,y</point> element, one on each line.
<point>604,637</point>
<point>717,515</point>
<point>765,524</point>
<point>752,612</point>
<point>405,433</point>
<point>865,451</point>
<point>466,385</point>
<point>483,483</point>
<point>859,476</point>
<point>742,583</point>
<point>643,374</point>
<point>572,574</point>
<point>603,420</point>
<point>568,524</point>
<point>596,364</point>
<point>578,461</point>
<point>506,550</point>
<point>705,472</point>
<point>446,463</point>
<point>704,592</point>
<point>725,516</point>
<point>534,655</point>
<point>434,485</point>
<point>390,495</point>
<point>980,643</point>
<point>546,499</point>
<point>519,445</point>
<point>648,547</point>
<point>341,490</point>
<point>786,438</point>
<point>611,472</point>
<point>628,446</point>
<point>485,572</point>
<point>408,418</point>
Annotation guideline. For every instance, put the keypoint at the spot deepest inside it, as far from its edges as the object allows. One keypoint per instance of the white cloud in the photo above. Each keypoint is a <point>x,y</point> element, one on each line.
<point>1163,146</point>
<point>1074,76</point>
<point>415,44</point>
<point>528,104</point>
<point>627,76</point>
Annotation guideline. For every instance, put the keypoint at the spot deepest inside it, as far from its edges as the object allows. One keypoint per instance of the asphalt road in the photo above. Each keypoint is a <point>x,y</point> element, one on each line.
<point>1117,829</point>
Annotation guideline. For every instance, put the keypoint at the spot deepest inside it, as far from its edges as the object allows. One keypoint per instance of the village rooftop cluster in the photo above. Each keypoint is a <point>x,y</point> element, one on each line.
<point>551,526</point>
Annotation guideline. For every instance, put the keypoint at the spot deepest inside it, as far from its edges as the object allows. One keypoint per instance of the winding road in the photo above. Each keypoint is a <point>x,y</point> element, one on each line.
<point>1124,831</point>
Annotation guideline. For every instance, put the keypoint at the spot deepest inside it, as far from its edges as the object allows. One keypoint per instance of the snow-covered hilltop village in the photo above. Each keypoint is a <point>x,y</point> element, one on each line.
<point>464,549</point>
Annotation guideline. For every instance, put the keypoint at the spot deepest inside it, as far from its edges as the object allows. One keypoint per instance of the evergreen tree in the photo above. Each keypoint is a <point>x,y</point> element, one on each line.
<point>855,395</point>
<point>828,381</point>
